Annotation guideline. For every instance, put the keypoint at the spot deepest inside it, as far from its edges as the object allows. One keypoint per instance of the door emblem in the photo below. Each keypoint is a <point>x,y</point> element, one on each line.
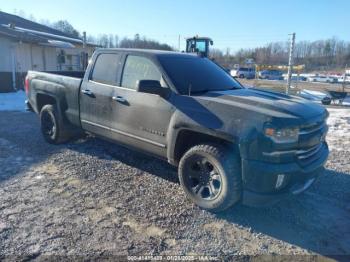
<point>155,132</point>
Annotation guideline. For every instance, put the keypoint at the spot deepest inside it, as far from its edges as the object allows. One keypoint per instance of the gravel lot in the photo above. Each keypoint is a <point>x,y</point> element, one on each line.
<point>92,198</point>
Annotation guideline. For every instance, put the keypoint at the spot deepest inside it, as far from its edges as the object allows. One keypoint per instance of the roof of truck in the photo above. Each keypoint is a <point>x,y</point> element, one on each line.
<point>147,51</point>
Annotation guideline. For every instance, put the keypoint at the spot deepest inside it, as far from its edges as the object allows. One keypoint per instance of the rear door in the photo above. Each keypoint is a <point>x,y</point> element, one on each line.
<point>96,104</point>
<point>140,119</point>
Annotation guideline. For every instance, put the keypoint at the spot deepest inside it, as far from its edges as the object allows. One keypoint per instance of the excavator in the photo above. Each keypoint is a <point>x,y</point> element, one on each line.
<point>199,45</point>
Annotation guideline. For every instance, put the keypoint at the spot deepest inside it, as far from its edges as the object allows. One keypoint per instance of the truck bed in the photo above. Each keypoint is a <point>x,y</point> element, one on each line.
<point>63,86</point>
<point>75,74</point>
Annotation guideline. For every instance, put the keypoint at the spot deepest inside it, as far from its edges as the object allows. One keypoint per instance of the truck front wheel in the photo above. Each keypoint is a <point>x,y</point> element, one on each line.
<point>211,176</point>
<point>52,125</point>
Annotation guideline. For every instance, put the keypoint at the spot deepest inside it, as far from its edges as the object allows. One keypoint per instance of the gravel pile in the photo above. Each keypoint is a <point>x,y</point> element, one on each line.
<point>92,198</point>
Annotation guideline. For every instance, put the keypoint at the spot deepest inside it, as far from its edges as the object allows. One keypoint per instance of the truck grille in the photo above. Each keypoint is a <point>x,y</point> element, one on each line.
<point>306,157</point>
<point>312,128</point>
<point>312,135</point>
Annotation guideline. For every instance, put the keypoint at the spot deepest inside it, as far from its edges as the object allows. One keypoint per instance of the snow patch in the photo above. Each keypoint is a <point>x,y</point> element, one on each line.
<point>12,101</point>
<point>339,128</point>
<point>316,96</point>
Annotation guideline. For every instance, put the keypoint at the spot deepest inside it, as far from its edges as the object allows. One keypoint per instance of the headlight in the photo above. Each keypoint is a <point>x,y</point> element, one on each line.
<point>283,135</point>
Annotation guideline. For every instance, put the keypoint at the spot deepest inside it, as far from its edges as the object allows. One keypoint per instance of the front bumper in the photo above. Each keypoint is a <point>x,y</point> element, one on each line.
<point>260,178</point>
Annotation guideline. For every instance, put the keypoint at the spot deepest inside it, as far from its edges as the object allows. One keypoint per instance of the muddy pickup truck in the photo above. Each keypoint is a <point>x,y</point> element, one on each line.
<point>231,144</point>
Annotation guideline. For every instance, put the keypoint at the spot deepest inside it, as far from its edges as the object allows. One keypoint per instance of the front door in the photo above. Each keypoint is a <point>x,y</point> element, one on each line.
<point>140,119</point>
<point>96,103</point>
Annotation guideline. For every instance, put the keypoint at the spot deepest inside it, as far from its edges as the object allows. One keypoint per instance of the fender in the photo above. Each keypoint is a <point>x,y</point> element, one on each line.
<point>179,122</point>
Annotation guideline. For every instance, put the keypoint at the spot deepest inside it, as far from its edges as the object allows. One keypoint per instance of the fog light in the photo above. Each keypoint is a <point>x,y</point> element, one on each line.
<point>279,182</point>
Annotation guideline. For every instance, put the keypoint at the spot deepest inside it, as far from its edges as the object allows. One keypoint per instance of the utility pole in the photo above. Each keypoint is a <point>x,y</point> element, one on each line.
<point>344,78</point>
<point>84,40</point>
<point>84,53</point>
<point>290,63</point>
<point>179,43</point>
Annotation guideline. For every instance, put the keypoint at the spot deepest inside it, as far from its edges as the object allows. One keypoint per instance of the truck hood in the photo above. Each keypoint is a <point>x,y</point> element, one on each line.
<point>272,104</point>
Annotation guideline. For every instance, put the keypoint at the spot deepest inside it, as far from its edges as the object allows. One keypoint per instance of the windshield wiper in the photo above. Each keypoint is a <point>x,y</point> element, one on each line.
<point>201,91</point>
<point>214,90</point>
<point>227,89</point>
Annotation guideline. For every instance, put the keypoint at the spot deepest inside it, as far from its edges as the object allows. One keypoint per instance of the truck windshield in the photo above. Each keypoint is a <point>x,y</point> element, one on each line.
<point>198,74</point>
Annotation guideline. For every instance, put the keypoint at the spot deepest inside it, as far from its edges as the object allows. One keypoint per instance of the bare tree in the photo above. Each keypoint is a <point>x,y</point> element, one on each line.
<point>65,27</point>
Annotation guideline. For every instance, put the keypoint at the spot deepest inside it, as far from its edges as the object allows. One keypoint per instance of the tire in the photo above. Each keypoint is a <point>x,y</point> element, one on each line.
<point>53,128</point>
<point>241,76</point>
<point>210,175</point>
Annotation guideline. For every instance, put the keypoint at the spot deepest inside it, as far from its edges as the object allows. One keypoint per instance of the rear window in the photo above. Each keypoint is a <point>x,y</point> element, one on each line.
<point>106,68</point>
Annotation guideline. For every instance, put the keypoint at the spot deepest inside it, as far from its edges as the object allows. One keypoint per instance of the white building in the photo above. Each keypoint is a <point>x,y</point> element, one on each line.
<point>25,45</point>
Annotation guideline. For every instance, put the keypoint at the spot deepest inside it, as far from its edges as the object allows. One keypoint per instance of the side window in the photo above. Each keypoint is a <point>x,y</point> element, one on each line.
<point>106,68</point>
<point>139,68</point>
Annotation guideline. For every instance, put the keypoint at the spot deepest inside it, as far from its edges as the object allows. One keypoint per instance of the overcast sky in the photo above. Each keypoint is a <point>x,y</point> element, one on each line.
<point>231,23</point>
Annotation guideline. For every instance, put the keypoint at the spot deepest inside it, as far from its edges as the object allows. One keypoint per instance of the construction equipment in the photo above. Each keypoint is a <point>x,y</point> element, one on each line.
<point>337,96</point>
<point>199,45</point>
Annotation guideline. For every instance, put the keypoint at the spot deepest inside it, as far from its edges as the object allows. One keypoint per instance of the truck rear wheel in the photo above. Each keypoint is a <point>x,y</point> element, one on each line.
<point>211,176</point>
<point>52,125</point>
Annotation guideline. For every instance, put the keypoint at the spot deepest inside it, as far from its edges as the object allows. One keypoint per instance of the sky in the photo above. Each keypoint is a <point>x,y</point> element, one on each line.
<point>232,24</point>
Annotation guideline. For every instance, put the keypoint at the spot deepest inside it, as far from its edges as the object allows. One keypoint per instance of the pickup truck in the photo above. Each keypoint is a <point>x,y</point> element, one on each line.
<point>231,144</point>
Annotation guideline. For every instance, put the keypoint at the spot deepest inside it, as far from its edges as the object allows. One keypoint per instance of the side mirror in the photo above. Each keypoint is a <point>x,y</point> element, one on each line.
<point>151,87</point>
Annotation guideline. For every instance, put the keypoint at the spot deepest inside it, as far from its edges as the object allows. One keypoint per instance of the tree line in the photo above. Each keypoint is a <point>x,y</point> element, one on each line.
<point>329,54</point>
<point>113,41</point>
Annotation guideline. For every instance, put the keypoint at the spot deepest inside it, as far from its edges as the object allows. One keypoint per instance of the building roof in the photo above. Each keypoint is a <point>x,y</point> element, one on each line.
<point>7,19</point>
<point>24,30</point>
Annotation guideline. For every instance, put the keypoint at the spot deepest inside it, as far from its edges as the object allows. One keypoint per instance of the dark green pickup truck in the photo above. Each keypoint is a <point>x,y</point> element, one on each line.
<point>231,144</point>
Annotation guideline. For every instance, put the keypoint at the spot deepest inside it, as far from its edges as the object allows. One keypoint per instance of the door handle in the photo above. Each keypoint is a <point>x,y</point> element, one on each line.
<point>87,92</point>
<point>119,99</point>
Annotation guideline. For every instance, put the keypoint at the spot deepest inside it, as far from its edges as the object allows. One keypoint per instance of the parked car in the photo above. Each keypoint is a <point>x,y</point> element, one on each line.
<point>299,78</point>
<point>344,79</point>
<point>271,75</point>
<point>322,79</point>
<point>231,144</point>
<point>243,72</point>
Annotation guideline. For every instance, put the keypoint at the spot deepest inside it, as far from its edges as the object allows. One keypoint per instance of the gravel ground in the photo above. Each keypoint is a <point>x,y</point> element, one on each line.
<point>91,198</point>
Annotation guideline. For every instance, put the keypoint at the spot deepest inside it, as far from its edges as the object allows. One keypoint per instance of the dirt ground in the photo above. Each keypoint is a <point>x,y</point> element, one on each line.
<point>91,199</point>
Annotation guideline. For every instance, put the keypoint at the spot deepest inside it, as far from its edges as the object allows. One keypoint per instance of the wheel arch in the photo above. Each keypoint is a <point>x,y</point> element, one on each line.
<point>43,99</point>
<point>187,138</point>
